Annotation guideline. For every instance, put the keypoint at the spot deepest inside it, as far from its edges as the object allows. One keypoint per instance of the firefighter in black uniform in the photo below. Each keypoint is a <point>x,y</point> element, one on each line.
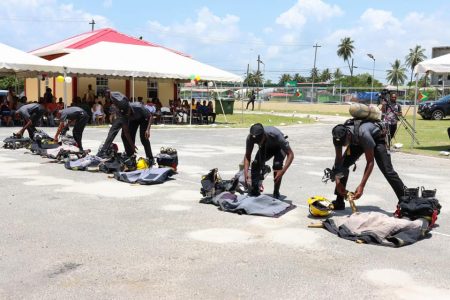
<point>124,111</point>
<point>272,143</point>
<point>75,116</point>
<point>368,138</point>
<point>31,114</point>
<point>142,118</point>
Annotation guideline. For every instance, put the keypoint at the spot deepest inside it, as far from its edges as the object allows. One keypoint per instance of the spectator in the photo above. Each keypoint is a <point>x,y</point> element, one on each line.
<point>60,104</point>
<point>391,110</point>
<point>11,98</point>
<point>211,112</point>
<point>6,115</point>
<point>90,94</point>
<point>48,96</point>
<point>98,115</point>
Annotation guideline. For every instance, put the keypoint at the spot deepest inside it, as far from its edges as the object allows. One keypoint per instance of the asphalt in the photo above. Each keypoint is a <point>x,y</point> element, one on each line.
<point>78,235</point>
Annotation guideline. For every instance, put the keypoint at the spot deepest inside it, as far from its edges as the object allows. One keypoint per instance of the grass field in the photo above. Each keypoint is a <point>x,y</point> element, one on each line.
<point>236,119</point>
<point>432,135</point>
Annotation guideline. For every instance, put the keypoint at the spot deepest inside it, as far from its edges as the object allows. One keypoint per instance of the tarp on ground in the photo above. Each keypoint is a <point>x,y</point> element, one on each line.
<point>440,64</point>
<point>125,60</point>
<point>13,61</point>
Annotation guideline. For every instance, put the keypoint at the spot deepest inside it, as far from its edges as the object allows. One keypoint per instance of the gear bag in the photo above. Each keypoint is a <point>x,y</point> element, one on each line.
<point>14,142</point>
<point>168,157</point>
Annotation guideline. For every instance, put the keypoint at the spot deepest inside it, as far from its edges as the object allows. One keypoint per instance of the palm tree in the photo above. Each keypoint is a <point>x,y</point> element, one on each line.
<point>396,75</point>
<point>337,74</point>
<point>284,78</point>
<point>415,56</point>
<point>299,78</point>
<point>345,51</point>
<point>326,75</point>
<point>254,78</point>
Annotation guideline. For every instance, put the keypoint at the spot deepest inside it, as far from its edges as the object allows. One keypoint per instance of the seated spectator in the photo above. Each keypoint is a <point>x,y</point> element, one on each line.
<point>202,111</point>
<point>60,104</point>
<point>157,114</point>
<point>107,109</point>
<point>6,113</point>
<point>211,112</point>
<point>51,108</point>
<point>98,115</point>
<point>112,113</point>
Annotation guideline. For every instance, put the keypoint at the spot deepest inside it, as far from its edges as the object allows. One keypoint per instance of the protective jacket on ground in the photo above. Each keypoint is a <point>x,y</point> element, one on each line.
<point>377,228</point>
<point>146,176</point>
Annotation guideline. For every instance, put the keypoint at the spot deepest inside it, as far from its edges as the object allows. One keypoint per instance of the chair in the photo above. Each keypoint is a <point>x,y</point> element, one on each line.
<point>166,115</point>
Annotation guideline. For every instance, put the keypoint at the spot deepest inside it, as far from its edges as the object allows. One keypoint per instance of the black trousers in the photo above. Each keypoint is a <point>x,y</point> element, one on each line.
<point>116,126</point>
<point>35,118</point>
<point>133,125</point>
<point>383,160</point>
<point>78,129</point>
<point>262,156</point>
<point>252,101</point>
<point>392,131</point>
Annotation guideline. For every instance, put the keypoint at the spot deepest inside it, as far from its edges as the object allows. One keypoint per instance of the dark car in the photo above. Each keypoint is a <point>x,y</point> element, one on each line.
<point>435,110</point>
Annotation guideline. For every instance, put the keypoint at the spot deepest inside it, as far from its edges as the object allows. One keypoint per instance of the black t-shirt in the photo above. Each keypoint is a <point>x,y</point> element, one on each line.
<point>121,102</point>
<point>31,109</point>
<point>71,113</point>
<point>139,111</point>
<point>275,140</point>
<point>369,133</point>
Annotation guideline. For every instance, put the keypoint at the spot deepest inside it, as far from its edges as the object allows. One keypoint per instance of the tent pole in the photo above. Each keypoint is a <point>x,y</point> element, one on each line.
<point>190,107</point>
<point>38,87</point>
<point>65,88</point>
<point>132,90</point>
<point>242,102</point>
<point>415,108</point>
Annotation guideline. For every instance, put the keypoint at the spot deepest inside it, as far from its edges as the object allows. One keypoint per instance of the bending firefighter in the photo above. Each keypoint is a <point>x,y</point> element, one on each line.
<point>140,118</point>
<point>272,143</point>
<point>120,123</point>
<point>361,137</point>
<point>31,114</point>
<point>73,116</point>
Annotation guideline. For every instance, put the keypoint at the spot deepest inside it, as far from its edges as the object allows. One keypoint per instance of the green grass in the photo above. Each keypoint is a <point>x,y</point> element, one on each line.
<point>236,119</point>
<point>432,136</point>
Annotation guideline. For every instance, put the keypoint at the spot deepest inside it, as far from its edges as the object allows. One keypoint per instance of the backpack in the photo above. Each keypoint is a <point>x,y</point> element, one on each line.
<point>212,185</point>
<point>356,123</point>
<point>14,142</point>
<point>414,207</point>
<point>167,157</point>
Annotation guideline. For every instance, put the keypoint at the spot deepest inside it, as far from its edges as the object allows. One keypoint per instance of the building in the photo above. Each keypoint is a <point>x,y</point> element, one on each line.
<point>164,89</point>
<point>440,79</point>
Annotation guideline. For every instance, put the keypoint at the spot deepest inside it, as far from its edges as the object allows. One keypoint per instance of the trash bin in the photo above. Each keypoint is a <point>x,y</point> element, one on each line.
<point>228,105</point>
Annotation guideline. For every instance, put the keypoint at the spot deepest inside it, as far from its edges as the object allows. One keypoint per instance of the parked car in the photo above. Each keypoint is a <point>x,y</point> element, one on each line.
<point>435,110</point>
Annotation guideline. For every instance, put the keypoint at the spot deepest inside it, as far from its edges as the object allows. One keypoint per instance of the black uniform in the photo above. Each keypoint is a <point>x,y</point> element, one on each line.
<point>370,136</point>
<point>33,112</point>
<point>81,119</point>
<point>123,111</point>
<point>275,145</point>
<point>252,101</point>
<point>139,118</point>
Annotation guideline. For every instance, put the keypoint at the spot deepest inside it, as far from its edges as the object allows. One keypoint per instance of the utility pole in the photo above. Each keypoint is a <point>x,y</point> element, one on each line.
<point>257,73</point>
<point>92,23</point>
<point>315,56</point>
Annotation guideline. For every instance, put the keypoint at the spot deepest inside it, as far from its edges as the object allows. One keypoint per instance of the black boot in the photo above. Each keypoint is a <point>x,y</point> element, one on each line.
<point>276,188</point>
<point>338,204</point>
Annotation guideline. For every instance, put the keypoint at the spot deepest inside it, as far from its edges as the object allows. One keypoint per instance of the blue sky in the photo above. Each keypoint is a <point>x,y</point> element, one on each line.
<point>230,34</point>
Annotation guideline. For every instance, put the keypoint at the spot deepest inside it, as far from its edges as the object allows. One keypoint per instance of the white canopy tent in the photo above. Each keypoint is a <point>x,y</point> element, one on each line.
<point>14,61</point>
<point>440,64</point>
<point>126,60</point>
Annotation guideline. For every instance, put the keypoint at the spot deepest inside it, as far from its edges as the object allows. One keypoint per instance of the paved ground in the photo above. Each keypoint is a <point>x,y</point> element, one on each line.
<point>78,235</point>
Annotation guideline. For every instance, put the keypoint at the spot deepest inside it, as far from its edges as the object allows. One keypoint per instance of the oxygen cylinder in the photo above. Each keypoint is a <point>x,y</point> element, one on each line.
<point>359,111</point>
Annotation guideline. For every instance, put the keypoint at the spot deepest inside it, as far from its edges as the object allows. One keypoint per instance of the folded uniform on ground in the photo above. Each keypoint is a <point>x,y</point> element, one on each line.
<point>378,228</point>
<point>89,162</point>
<point>145,176</point>
<point>262,205</point>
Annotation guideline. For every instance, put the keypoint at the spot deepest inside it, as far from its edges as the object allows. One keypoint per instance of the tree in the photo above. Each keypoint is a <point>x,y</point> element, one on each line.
<point>326,75</point>
<point>337,75</point>
<point>396,75</point>
<point>268,82</point>
<point>314,74</point>
<point>299,78</point>
<point>345,51</point>
<point>415,56</point>
<point>10,81</point>
<point>284,78</point>
<point>254,78</point>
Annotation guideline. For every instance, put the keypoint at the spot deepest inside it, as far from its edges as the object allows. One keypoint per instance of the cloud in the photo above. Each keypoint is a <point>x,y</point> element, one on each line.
<point>36,23</point>
<point>107,3</point>
<point>380,19</point>
<point>297,16</point>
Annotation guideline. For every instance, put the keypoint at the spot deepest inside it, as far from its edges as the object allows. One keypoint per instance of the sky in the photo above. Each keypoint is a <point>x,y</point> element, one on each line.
<point>231,34</point>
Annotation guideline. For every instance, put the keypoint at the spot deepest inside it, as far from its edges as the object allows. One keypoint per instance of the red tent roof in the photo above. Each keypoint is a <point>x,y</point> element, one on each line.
<point>90,38</point>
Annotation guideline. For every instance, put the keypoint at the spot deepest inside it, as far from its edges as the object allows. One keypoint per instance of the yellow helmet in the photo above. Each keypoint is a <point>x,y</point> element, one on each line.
<point>142,164</point>
<point>319,206</point>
